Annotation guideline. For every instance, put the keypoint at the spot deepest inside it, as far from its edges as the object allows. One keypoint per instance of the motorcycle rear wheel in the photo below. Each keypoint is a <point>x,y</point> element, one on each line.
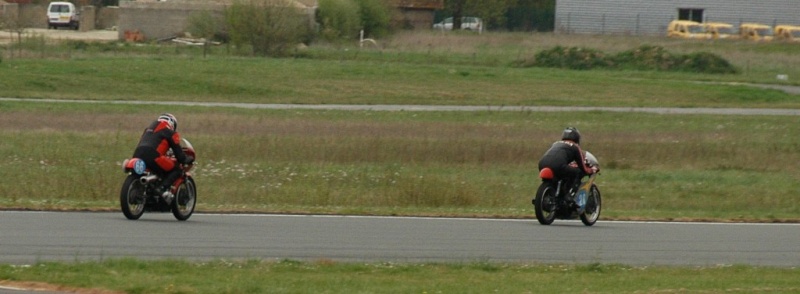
<point>593,204</point>
<point>545,204</point>
<point>185,200</point>
<point>131,198</point>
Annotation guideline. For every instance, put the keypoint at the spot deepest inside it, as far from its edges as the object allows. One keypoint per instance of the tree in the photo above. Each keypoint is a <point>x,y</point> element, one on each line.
<point>14,23</point>
<point>523,15</point>
<point>205,25</point>
<point>457,9</point>
<point>375,17</point>
<point>340,19</point>
<point>270,27</point>
<point>492,12</point>
<point>102,3</point>
<point>528,15</point>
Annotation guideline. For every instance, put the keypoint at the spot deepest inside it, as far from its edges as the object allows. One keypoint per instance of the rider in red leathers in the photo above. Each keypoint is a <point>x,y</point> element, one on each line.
<point>158,138</point>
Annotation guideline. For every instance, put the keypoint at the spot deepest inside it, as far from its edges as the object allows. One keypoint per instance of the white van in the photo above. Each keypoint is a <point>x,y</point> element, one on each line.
<point>468,23</point>
<point>62,14</point>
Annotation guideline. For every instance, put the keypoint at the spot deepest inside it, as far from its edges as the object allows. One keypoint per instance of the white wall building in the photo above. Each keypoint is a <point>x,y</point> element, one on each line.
<point>650,17</point>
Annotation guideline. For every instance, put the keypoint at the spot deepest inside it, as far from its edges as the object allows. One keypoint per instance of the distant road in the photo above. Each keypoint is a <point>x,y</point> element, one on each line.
<point>657,110</point>
<point>65,34</point>
<point>30,237</point>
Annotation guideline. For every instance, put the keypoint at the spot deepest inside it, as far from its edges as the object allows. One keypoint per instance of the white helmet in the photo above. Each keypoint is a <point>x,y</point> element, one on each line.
<point>170,119</point>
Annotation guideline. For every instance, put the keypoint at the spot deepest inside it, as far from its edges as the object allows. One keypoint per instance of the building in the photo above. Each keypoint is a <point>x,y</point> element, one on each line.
<point>651,17</point>
<point>157,19</point>
<point>414,14</point>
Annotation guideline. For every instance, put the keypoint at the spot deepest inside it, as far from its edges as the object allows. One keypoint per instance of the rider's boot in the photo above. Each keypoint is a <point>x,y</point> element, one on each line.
<point>171,177</point>
<point>165,192</point>
<point>167,195</point>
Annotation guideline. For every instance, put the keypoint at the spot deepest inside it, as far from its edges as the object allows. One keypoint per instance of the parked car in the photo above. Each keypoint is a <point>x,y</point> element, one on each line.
<point>62,14</point>
<point>755,31</point>
<point>469,23</point>
<point>787,33</point>
<point>720,30</point>
<point>686,29</point>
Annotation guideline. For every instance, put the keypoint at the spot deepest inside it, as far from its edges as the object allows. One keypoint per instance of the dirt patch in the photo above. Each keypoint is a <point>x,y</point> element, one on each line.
<point>63,34</point>
<point>45,287</point>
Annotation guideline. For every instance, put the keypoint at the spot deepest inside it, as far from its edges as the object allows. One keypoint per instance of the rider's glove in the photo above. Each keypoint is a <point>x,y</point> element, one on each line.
<point>189,160</point>
<point>595,169</point>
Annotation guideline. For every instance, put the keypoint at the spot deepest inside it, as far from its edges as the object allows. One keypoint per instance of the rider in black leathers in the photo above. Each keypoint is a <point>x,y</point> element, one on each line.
<point>566,159</point>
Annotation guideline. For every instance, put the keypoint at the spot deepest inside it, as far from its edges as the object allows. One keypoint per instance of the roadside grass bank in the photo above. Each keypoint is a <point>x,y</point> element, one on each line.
<point>306,81</point>
<point>324,276</point>
<point>655,167</point>
<point>756,60</point>
<point>418,68</point>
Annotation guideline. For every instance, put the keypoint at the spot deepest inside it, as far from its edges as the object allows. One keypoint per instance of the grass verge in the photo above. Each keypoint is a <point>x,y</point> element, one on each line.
<point>288,276</point>
<point>656,167</point>
<point>416,68</point>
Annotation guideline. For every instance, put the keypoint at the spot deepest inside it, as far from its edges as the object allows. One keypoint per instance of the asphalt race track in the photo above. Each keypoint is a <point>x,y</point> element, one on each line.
<point>30,237</point>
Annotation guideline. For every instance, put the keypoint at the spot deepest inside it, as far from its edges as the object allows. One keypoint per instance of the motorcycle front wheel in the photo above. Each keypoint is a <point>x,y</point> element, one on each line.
<point>185,200</point>
<point>131,198</point>
<point>545,204</point>
<point>593,205</point>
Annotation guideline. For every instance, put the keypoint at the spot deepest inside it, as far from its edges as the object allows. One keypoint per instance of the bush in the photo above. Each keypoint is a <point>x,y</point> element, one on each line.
<point>643,58</point>
<point>339,19</point>
<point>203,24</point>
<point>77,44</point>
<point>375,18</point>
<point>571,58</point>
<point>707,63</point>
<point>270,27</point>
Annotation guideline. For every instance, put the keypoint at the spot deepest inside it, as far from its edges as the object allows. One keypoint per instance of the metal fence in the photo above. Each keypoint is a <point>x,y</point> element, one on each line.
<point>638,24</point>
<point>592,23</point>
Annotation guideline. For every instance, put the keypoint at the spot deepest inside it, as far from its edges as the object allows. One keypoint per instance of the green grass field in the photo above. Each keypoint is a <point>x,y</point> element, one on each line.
<point>655,167</point>
<point>287,276</point>
<point>421,68</point>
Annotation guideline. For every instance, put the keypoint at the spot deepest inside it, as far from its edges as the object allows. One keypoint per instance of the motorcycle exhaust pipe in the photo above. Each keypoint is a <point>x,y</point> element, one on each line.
<point>148,178</point>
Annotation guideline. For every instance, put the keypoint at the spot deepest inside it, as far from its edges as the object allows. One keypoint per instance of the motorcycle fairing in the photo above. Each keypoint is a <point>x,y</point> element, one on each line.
<point>583,192</point>
<point>137,165</point>
<point>177,184</point>
<point>546,174</point>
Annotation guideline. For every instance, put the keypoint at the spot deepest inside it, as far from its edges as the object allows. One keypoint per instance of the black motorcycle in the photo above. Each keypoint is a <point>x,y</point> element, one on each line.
<point>554,200</point>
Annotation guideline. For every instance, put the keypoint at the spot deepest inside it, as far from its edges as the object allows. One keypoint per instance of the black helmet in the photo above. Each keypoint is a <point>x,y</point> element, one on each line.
<point>571,134</point>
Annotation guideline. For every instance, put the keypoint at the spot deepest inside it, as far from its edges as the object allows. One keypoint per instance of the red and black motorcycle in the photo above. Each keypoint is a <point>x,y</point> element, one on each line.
<point>139,192</point>
<point>554,201</point>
